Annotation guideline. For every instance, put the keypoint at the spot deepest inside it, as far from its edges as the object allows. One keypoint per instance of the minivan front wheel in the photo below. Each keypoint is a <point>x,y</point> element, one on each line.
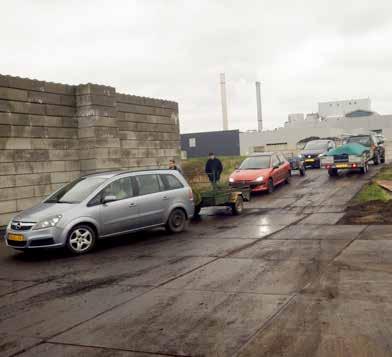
<point>81,239</point>
<point>177,221</point>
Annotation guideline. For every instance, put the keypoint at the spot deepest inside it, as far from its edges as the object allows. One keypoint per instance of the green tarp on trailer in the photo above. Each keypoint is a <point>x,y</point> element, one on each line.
<point>348,149</point>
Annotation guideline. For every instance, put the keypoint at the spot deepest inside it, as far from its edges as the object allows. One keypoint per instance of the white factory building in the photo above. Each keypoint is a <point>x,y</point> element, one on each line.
<point>333,119</point>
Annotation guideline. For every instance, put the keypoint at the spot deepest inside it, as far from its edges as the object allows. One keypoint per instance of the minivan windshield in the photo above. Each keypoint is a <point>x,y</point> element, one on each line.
<point>363,140</point>
<point>256,163</point>
<point>316,145</point>
<point>76,191</point>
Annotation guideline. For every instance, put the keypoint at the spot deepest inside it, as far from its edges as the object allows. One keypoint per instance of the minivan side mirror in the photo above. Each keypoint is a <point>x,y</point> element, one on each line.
<point>276,166</point>
<point>109,198</point>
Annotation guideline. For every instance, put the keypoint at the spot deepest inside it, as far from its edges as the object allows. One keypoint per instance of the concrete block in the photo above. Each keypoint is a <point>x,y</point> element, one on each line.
<point>25,83</point>
<point>7,206</point>
<point>21,107</point>
<point>108,163</point>
<point>56,186</point>
<point>5,218</point>
<point>31,155</point>
<point>89,111</point>
<point>92,121</point>
<point>168,145</point>
<point>108,132</point>
<point>48,166</point>
<point>39,144</point>
<point>86,132</point>
<point>45,121</point>
<point>129,126</point>
<point>19,131</point>
<point>14,119</point>
<point>5,130</point>
<point>7,156</point>
<point>23,168</point>
<point>108,142</point>
<point>59,110</point>
<point>93,99</point>
<point>4,81</point>
<point>24,192</point>
<point>25,203</point>
<point>63,177</point>
<point>13,94</point>
<point>7,194</point>
<point>139,144</point>
<point>68,100</point>
<point>42,190</point>
<point>69,122</point>
<point>86,143</point>
<point>62,133</point>
<point>72,165</point>
<point>88,165</point>
<point>90,88</point>
<point>39,132</point>
<point>7,168</point>
<point>7,181</point>
<point>59,88</point>
<point>63,144</point>
<point>33,179</point>
<point>64,154</point>
<point>43,98</point>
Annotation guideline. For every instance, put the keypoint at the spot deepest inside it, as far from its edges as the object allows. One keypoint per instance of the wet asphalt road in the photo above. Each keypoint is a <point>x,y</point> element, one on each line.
<point>280,280</point>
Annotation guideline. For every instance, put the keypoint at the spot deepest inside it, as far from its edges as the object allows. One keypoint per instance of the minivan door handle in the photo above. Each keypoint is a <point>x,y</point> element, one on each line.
<point>165,198</point>
<point>133,204</point>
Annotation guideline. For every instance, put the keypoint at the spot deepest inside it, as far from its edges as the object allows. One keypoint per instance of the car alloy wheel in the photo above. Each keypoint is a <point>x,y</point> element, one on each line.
<point>177,221</point>
<point>81,240</point>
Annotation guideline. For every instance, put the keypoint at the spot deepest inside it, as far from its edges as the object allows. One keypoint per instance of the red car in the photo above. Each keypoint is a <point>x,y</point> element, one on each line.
<point>262,172</point>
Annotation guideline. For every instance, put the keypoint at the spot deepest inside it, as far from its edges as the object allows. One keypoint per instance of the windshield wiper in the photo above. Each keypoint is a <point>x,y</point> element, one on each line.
<point>72,202</point>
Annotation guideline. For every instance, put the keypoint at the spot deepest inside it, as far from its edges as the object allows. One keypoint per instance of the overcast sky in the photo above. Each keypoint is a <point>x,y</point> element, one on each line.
<point>303,52</point>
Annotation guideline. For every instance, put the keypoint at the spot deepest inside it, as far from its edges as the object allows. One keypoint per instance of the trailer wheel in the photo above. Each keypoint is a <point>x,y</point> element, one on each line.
<point>197,210</point>
<point>302,171</point>
<point>364,169</point>
<point>332,172</point>
<point>238,206</point>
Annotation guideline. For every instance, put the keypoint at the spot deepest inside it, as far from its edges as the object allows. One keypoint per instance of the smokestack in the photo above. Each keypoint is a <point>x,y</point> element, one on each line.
<point>259,115</point>
<point>224,101</point>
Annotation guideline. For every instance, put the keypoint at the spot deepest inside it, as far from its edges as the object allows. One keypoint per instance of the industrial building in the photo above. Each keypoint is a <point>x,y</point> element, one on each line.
<point>328,122</point>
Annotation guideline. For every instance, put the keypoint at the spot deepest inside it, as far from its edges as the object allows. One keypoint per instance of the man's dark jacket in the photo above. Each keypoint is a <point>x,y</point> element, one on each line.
<point>214,169</point>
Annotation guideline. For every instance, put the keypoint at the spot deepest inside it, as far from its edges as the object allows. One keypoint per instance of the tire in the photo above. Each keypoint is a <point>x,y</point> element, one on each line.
<point>271,186</point>
<point>376,160</point>
<point>197,210</point>
<point>238,207</point>
<point>81,239</point>
<point>332,172</point>
<point>302,171</point>
<point>287,181</point>
<point>177,221</point>
<point>364,169</point>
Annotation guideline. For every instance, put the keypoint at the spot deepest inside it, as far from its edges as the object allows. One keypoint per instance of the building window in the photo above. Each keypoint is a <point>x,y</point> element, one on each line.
<point>192,142</point>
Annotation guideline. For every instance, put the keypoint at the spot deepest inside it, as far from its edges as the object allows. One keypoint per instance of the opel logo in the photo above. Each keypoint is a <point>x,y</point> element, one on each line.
<point>18,225</point>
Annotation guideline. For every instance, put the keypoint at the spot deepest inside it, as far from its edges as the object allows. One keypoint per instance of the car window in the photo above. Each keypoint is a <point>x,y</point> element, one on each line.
<point>77,190</point>
<point>121,189</point>
<point>363,140</point>
<point>281,158</point>
<point>256,163</point>
<point>316,145</point>
<point>275,160</point>
<point>171,182</point>
<point>147,184</point>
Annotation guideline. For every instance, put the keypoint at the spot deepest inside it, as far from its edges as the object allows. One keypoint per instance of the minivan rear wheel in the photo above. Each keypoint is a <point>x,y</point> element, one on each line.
<point>177,221</point>
<point>81,239</point>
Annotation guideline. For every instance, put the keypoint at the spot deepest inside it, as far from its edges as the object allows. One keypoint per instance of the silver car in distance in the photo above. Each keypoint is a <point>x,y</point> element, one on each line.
<point>103,205</point>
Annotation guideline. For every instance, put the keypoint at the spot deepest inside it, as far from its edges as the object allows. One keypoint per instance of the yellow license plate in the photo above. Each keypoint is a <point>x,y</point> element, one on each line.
<point>309,160</point>
<point>16,237</point>
<point>341,166</point>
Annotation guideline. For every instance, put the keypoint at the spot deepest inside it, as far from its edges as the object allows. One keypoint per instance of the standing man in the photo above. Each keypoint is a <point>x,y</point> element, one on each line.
<point>214,168</point>
<point>173,166</point>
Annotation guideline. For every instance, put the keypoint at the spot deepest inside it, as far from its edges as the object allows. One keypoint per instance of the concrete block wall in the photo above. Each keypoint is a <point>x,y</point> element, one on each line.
<point>51,133</point>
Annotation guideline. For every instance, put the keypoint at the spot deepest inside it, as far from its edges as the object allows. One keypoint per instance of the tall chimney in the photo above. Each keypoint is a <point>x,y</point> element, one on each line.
<point>224,101</point>
<point>259,115</point>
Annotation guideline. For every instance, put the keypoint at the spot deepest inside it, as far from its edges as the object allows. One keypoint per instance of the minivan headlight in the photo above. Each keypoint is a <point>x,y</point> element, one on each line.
<point>260,179</point>
<point>231,179</point>
<point>48,222</point>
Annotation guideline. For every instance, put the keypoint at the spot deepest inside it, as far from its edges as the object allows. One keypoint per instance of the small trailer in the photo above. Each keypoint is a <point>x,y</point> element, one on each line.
<point>346,157</point>
<point>229,197</point>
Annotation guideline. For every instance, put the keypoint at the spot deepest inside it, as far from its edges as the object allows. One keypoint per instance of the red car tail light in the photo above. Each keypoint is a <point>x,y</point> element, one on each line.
<point>190,195</point>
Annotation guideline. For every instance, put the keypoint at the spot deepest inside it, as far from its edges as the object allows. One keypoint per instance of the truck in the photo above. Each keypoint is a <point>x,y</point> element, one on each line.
<point>351,156</point>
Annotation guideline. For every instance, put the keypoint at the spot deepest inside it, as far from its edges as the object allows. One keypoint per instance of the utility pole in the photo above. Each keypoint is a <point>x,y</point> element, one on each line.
<point>259,114</point>
<point>224,101</point>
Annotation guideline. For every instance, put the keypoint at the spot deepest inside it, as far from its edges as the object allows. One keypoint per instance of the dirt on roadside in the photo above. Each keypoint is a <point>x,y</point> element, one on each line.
<point>372,212</point>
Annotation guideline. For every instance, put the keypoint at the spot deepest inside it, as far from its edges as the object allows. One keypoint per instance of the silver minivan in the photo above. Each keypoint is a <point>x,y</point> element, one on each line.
<point>103,205</point>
